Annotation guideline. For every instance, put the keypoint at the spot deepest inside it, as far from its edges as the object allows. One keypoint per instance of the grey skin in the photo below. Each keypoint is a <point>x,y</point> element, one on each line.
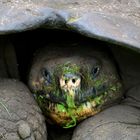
<point>20,116</point>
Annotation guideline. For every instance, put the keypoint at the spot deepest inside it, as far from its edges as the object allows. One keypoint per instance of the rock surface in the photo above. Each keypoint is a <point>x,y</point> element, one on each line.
<point>109,20</point>
<point>117,123</point>
<point>24,130</point>
<point>20,116</point>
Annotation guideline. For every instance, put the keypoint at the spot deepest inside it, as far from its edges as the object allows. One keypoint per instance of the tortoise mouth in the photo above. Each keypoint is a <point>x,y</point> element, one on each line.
<point>79,97</point>
<point>68,117</point>
<point>71,98</point>
<point>67,111</point>
<point>62,107</point>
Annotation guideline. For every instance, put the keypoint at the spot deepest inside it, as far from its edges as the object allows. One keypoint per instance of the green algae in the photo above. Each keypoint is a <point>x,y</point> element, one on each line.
<point>98,100</point>
<point>61,108</point>
<point>70,102</point>
<point>72,123</point>
<point>70,110</point>
<point>67,68</point>
<point>70,107</point>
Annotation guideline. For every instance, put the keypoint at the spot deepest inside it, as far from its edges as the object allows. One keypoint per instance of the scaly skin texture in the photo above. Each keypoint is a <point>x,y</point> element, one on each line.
<point>20,116</point>
<point>70,87</point>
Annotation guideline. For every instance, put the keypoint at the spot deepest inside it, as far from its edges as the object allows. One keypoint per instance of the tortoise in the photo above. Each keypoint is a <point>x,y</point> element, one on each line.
<point>72,81</point>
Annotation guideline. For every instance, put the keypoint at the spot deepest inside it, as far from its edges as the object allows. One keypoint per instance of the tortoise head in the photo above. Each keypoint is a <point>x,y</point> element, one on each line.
<point>71,85</point>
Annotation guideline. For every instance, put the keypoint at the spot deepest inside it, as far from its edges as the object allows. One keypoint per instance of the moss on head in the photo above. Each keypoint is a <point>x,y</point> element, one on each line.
<point>106,88</point>
<point>67,68</point>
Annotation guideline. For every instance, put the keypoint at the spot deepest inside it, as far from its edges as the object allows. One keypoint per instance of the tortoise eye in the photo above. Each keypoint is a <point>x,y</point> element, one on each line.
<point>95,71</point>
<point>46,75</point>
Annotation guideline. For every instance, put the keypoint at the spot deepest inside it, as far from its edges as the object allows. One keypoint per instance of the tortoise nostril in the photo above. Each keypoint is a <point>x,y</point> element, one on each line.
<point>66,81</point>
<point>73,81</point>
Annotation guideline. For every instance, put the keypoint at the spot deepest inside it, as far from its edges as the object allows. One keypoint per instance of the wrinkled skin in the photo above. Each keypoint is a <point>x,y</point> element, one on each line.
<point>72,83</point>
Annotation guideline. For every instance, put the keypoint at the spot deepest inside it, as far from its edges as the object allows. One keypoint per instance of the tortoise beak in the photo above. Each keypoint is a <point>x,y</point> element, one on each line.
<point>70,83</point>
